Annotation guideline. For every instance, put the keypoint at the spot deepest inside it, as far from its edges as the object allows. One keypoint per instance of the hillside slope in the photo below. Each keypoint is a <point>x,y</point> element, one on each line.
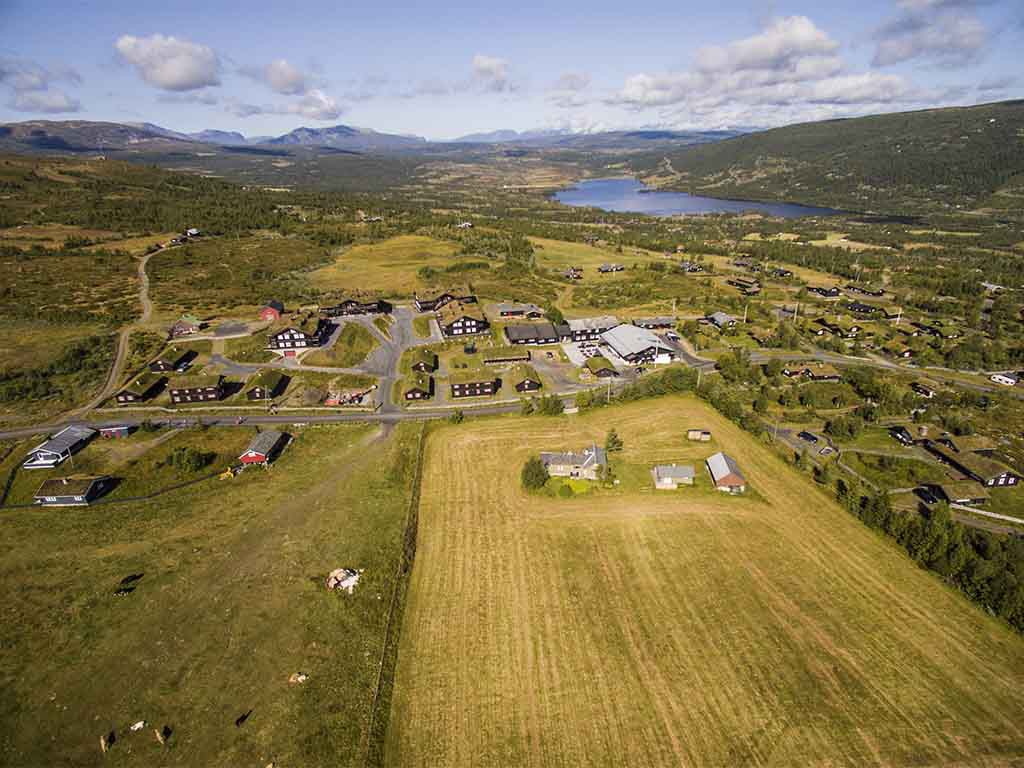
<point>910,162</point>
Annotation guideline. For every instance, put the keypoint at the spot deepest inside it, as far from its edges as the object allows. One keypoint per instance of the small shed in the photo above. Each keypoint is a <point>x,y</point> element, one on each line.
<point>699,435</point>
<point>115,431</point>
<point>264,448</point>
<point>668,477</point>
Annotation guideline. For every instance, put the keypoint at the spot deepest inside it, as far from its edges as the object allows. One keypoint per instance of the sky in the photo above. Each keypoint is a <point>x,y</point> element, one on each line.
<point>443,70</point>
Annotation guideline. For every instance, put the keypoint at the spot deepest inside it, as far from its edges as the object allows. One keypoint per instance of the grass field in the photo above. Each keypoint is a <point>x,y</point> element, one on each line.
<point>229,274</point>
<point>249,349</point>
<point>353,344</point>
<point>231,603</point>
<point>388,267</point>
<point>634,627</point>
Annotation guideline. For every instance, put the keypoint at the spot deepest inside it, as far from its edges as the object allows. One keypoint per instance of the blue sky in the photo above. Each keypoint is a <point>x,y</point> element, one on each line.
<point>443,70</point>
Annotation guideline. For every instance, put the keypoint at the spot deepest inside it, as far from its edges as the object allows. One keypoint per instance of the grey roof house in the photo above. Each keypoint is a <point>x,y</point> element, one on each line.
<point>725,473</point>
<point>668,477</point>
<point>58,448</point>
<point>635,345</point>
<point>584,464</point>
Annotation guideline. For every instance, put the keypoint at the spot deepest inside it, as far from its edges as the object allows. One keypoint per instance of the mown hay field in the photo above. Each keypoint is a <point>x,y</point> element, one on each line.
<point>642,627</point>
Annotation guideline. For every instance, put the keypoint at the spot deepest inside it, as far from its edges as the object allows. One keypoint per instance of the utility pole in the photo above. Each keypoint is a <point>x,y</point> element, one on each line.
<point>899,315</point>
<point>745,307</point>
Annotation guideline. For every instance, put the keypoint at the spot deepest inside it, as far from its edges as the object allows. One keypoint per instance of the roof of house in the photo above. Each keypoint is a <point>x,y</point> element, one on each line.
<point>963,489</point>
<point>973,443</point>
<point>66,439</point>
<point>721,317</point>
<point>267,378</point>
<point>511,307</point>
<point>823,369</point>
<point>264,442</point>
<point>454,310</point>
<point>631,340</point>
<point>195,382</point>
<point>76,485</point>
<point>593,323</point>
<point>588,457</point>
<point>982,466</point>
<point>416,380</point>
<point>459,290</point>
<point>522,372</point>
<point>506,353</point>
<point>721,466</point>
<point>470,375</point>
<point>142,383</point>
<point>423,355</point>
<point>673,472</point>
<point>599,363</point>
<point>665,320</point>
<point>530,331</point>
<point>173,355</point>
<point>274,304</point>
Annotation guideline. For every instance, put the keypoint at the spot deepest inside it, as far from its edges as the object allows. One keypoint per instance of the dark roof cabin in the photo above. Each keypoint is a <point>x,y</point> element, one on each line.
<point>77,491</point>
<point>265,385</point>
<point>423,360</point>
<point>524,378</point>
<point>173,359</point>
<point>140,389</point>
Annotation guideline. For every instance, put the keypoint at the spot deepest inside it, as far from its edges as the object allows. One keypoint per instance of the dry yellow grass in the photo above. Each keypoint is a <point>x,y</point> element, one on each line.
<point>389,266</point>
<point>635,627</point>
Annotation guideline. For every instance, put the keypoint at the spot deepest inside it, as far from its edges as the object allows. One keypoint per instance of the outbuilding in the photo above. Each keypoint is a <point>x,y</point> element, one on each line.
<point>272,311</point>
<point>264,448</point>
<point>725,473</point>
<point>668,477</point>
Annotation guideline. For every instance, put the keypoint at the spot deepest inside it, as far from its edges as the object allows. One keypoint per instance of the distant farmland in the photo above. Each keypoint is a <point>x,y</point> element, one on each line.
<point>637,627</point>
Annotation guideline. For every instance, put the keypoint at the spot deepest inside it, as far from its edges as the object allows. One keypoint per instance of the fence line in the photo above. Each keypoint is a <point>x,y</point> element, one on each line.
<point>373,749</point>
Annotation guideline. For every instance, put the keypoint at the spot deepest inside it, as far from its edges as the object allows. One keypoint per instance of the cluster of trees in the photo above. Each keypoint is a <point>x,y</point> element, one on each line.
<point>78,361</point>
<point>987,568</point>
<point>189,459</point>
<point>548,405</point>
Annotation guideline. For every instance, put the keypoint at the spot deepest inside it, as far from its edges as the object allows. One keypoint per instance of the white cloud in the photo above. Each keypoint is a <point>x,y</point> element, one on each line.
<point>314,105</point>
<point>169,63</point>
<point>793,46</point>
<point>790,71</point>
<point>206,98</point>
<point>568,92</point>
<point>491,73</point>
<point>31,86</point>
<point>51,101</point>
<point>284,78</point>
<point>940,31</point>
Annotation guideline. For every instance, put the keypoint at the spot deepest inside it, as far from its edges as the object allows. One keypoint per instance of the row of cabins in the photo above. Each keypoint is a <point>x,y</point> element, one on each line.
<point>973,457</point>
<point>266,385</point>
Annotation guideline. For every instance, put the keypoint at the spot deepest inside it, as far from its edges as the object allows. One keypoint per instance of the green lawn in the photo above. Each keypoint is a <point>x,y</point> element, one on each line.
<point>249,349</point>
<point>354,343</point>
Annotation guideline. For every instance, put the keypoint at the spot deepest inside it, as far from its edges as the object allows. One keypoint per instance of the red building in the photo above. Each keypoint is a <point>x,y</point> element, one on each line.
<point>264,448</point>
<point>272,311</point>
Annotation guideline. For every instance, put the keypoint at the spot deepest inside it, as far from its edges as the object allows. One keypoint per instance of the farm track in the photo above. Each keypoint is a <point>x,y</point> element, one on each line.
<point>116,371</point>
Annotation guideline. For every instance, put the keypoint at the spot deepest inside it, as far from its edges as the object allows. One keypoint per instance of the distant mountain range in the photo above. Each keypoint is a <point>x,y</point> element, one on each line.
<point>87,136</point>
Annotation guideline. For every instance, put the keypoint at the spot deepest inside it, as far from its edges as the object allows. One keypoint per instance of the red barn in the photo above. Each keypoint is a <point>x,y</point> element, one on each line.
<point>272,311</point>
<point>264,448</point>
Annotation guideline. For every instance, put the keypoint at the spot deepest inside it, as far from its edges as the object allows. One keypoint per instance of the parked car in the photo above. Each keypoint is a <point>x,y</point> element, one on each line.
<point>826,451</point>
<point>807,437</point>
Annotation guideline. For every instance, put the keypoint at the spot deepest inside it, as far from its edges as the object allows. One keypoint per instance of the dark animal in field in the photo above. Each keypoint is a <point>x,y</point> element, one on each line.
<point>240,721</point>
<point>131,578</point>
<point>122,591</point>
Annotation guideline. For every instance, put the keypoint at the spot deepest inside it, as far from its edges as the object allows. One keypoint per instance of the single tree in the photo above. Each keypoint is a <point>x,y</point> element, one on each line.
<point>613,443</point>
<point>534,474</point>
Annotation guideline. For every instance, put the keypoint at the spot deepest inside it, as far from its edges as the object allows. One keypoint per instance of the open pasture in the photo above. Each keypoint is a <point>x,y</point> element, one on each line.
<point>640,627</point>
<point>229,603</point>
<point>388,267</point>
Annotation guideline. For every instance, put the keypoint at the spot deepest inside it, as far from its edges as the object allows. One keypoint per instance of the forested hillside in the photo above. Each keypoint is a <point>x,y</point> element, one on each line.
<point>911,162</point>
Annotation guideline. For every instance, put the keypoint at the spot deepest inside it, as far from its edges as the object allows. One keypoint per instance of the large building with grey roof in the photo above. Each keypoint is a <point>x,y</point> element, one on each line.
<point>584,464</point>
<point>59,448</point>
<point>637,345</point>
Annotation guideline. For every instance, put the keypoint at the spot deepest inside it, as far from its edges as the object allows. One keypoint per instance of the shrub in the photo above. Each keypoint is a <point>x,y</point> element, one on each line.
<point>566,492</point>
<point>534,474</point>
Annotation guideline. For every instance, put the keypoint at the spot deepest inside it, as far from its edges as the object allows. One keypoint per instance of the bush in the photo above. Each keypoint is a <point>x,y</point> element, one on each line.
<point>534,474</point>
<point>566,492</point>
<point>189,459</point>
<point>550,405</point>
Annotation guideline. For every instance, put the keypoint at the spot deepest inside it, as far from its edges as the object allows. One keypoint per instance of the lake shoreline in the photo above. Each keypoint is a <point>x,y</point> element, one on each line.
<point>627,194</point>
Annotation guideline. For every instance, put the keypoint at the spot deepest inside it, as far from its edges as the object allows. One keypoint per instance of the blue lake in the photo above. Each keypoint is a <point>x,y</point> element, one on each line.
<point>631,196</point>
